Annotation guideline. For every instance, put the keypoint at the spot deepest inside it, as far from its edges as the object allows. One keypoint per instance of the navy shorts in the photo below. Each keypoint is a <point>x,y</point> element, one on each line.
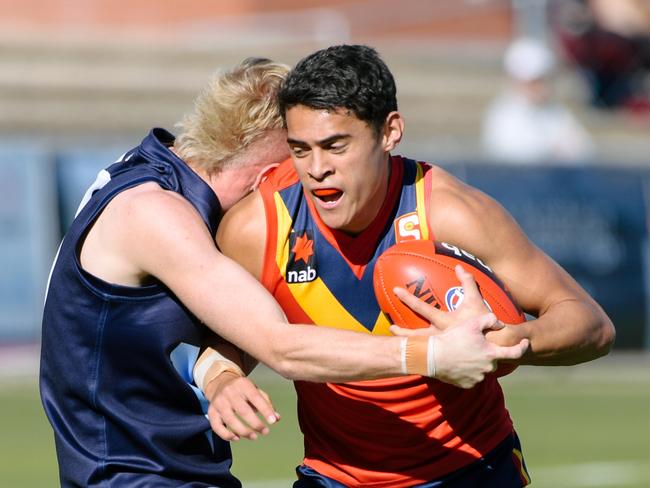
<point>503,467</point>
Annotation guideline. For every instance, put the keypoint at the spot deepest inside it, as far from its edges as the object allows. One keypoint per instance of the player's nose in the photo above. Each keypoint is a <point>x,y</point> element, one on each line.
<point>319,166</point>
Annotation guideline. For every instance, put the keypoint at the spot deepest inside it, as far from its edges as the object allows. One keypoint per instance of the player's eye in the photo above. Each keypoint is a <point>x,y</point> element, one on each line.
<point>298,151</point>
<point>337,148</point>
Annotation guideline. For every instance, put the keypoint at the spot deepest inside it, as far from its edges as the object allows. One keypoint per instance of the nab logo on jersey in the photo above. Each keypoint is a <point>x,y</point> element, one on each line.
<point>301,267</point>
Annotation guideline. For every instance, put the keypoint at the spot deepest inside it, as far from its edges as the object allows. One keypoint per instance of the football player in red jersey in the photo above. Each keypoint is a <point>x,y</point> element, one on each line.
<point>312,234</point>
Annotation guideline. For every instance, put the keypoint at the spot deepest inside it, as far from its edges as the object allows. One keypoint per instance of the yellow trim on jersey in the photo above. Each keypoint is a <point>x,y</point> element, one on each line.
<point>382,325</point>
<point>284,228</point>
<point>315,299</point>
<point>421,203</point>
<point>322,307</point>
<point>523,471</point>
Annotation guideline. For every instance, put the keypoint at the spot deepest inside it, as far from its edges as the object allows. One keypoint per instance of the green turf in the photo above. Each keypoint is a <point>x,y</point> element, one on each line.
<point>578,430</point>
<point>26,441</point>
<point>594,431</point>
<point>275,456</point>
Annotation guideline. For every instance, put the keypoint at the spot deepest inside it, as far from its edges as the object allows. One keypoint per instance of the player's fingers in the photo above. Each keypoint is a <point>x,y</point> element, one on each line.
<point>262,403</point>
<point>486,321</point>
<point>248,413</point>
<point>278,417</point>
<point>470,289</point>
<point>401,331</point>
<point>237,411</point>
<point>220,429</point>
<point>418,306</point>
<point>497,325</point>
<point>512,352</point>
<point>247,400</point>
<point>241,420</point>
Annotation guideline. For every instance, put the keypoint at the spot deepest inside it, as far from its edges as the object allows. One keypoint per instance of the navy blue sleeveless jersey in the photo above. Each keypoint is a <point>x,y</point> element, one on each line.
<point>116,362</point>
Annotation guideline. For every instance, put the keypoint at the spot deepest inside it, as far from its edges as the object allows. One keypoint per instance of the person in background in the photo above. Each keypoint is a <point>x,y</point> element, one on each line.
<point>525,124</point>
<point>609,43</point>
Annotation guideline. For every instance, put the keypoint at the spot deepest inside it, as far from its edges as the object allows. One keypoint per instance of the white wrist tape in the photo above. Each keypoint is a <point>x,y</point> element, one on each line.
<point>418,355</point>
<point>402,352</point>
<point>210,365</point>
<point>431,357</point>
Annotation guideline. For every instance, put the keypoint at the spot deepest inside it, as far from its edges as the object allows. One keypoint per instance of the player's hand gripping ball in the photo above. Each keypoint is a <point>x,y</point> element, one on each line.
<point>426,269</point>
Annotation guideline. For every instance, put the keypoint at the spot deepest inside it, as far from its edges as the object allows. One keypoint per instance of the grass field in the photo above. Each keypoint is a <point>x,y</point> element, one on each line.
<point>585,426</point>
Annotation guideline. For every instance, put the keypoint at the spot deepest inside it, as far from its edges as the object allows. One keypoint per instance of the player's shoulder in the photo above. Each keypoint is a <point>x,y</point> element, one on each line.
<point>244,214</point>
<point>135,225</point>
<point>148,209</point>
<point>455,206</point>
<point>149,198</point>
<point>243,225</point>
<point>247,218</point>
<point>242,233</point>
<point>281,177</point>
<point>450,193</point>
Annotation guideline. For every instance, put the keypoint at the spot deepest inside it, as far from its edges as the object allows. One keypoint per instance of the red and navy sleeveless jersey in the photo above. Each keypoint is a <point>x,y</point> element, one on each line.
<point>116,364</point>
<point>393,432</point>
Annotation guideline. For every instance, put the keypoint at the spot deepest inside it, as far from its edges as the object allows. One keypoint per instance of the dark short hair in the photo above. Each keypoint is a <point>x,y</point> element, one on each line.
<point>352,77</point>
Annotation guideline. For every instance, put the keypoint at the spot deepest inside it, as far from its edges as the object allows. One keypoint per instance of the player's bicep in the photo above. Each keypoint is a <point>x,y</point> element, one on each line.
<point>537,282</point>
<point>214,287</point>
<point>477,223</point>
<point>533,278</point>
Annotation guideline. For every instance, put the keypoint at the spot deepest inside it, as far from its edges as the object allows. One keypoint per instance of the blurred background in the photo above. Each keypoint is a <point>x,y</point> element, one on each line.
<point>543,104</point>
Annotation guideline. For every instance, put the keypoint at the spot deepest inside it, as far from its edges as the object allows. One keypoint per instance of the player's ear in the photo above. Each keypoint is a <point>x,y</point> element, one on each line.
<point>263,174</point>
<point>392,131</point>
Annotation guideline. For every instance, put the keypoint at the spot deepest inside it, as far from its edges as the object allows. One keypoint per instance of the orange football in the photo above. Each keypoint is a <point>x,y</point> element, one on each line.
<point>426,269</point>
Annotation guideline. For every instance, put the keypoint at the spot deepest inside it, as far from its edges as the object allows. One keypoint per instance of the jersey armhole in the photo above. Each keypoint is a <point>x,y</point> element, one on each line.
<point>269,273</point>
<point>425,211</point>
<point>91,281</point>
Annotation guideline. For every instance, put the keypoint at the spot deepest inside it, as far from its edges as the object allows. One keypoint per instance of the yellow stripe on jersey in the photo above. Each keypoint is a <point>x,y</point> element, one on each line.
<point>315,299</point>
<point>284,228</point>
<point>382,325</point>
<point>322,307</point>
<point>522,469</point>
<point>421,203</point>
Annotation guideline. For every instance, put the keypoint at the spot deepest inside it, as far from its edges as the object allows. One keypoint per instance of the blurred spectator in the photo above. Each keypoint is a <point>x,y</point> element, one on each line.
<point>524,124</point>
<point>609,40</point>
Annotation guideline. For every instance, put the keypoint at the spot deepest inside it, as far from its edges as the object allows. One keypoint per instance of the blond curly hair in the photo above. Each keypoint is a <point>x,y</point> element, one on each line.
<point>236,107</point>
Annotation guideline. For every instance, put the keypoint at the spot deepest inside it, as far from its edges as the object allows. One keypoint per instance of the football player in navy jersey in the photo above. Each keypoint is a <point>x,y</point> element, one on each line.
<point>138,278</point>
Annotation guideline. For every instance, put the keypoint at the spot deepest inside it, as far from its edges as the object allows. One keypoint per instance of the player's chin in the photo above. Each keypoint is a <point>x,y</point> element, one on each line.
<point>334,219</point>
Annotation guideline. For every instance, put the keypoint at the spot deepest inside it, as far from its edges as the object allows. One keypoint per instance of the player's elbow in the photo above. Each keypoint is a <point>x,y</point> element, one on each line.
<point>606,336</point>
<point>280,359</point>
<point>285,367</point>
<point>598,334</point>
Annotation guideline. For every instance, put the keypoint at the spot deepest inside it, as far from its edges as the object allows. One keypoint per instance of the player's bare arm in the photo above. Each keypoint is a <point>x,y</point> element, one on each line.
<point>231,301</point>
<point>149,232</point>
<point>242,235</point>
<point>181,253</point>
<point>571,327</point>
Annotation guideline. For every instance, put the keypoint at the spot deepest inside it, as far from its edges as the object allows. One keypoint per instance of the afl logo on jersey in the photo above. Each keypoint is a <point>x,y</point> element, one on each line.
<point>301,267</point>
<point>454,297</point>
